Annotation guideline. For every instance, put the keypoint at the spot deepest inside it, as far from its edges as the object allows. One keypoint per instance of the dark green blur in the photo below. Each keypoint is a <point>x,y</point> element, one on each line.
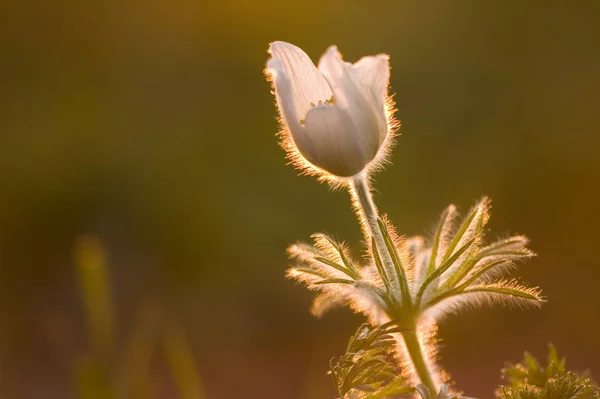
<point>150,126</point>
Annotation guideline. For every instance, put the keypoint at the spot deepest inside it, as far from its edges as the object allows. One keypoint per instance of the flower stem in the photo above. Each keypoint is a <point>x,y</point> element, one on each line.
<point>365,207</point>
<point>363,202</point>
<point>415,351</point>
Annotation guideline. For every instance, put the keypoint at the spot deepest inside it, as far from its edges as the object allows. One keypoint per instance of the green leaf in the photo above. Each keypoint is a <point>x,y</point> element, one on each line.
<point>337,266</point>
<point>338,247</point>
<point>368,369</point>
<point>498,288</point>
<point>396,387</point>
<point>398,267</point>
<point>469,263</point>
<point>521,293</point>
<point>479,273</point>
<point>380,266</point>
<point>445,219</point>
<point>440,270</point>
<point>354,371</point>
<point>507,253</point>
<point>334,281</point>
<point>306,270</point>
<point>530,379</point>
<point>460,233</point>
<point>506,243</point>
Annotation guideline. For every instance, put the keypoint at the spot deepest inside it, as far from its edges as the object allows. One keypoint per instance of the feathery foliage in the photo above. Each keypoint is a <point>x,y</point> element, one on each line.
<point>412,283</point>
<point>530,380</point>
<point>456,270</point>
<point>368,370</point>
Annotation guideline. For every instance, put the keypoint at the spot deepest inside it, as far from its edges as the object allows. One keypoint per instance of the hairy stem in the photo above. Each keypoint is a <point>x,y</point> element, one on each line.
<point>363,202</point>
<point>365,207</point>
<point>417,357</point>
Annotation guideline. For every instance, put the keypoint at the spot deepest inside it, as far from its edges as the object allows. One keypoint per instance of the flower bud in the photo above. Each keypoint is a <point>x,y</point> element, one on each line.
<point>336,117</point>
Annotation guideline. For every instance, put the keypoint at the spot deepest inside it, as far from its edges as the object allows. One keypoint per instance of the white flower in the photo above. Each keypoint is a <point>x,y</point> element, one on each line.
<point>337,117</point>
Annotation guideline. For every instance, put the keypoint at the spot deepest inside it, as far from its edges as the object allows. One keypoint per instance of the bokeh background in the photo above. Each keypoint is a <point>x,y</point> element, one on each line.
<point>148,128</point>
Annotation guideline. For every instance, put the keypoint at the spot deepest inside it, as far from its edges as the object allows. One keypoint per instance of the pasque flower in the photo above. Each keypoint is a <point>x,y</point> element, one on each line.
<point>337,117</point>
<point>338,124</point>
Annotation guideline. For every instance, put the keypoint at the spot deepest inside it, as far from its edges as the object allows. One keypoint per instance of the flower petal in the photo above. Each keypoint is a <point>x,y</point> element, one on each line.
<point>352,95</point>
<point>374,73</point>
<point>307,84</point>
<point>285,96</point>
<point>332,142</point>
<point>341,76</point>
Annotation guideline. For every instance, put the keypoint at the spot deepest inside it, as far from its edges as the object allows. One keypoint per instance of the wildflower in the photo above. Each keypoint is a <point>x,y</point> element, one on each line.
<point>338,123</point>
<point>337,117</point>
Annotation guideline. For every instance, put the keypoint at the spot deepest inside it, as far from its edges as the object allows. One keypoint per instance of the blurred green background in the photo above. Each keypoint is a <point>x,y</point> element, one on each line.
<point>149,125</point>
